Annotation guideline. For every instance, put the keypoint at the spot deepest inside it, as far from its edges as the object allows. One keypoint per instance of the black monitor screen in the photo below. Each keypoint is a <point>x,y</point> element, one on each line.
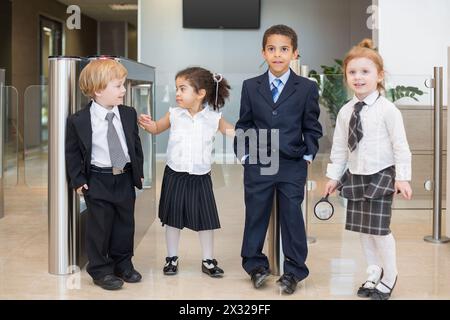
<point>221,14</point>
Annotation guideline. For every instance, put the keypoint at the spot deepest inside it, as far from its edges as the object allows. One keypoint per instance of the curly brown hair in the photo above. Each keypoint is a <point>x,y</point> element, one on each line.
<point>200,78</point>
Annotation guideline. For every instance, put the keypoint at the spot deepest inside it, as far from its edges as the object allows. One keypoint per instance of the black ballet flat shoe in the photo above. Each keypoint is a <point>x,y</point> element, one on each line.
<point>211,269</point>
<point>379,295</point>
<point>364,292</point>
<point>171,266</point>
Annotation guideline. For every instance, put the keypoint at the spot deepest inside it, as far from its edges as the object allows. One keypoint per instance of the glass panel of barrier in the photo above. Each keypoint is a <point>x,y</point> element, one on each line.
<point>413,98</point>
<point>415,101</point>
<point>36,135</point>
<point>333,95</point>
<point>10,137</point>
<point>141,96</point>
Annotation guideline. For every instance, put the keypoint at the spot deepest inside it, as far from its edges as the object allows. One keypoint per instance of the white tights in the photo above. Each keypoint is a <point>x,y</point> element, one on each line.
<point>206,241</point>
<point>380,251</point>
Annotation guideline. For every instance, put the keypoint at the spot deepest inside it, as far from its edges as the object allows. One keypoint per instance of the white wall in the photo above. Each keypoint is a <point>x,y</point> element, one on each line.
<point>413,37</point>
<point>325,29</point>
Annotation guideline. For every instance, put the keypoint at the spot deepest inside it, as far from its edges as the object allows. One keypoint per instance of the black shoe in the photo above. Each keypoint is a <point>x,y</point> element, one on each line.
<point>109,282</point>
<point>287,283</point>
<point>259,275</point>
<point>213,271</point>
<point>171,266</point>
<point>130,276</point>
<point>379,295</point>
<point>364,292</point>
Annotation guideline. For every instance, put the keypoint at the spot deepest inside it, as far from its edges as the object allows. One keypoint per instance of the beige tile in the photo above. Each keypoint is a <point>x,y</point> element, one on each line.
<point>336,262</point>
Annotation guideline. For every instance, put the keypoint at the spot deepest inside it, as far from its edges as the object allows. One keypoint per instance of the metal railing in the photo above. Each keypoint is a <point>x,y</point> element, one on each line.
<point>437,85</point>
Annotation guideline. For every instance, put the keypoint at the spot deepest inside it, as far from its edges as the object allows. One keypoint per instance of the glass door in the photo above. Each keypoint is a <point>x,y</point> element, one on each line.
<point>51,40</point>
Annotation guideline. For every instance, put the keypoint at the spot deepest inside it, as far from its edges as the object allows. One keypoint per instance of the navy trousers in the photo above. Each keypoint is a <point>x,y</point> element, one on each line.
<point>259,192</point>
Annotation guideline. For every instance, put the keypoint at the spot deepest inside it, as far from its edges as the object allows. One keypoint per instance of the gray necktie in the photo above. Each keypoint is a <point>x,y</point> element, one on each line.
<point>118,158</point>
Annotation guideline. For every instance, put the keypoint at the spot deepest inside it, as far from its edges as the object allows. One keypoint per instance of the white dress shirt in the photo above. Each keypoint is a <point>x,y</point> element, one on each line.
<point>191,140</point>
<point>383,143</point>
<point>100,150</point>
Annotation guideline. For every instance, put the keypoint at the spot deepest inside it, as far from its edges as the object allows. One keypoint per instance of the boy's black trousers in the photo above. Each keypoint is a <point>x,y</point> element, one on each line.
<point>110,201</point>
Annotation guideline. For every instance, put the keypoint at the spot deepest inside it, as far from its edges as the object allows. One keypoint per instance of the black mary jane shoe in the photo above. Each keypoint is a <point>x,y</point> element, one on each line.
<point>379,295</point>
<point>364,292</point>
<point>214,271</point>
<point>171,266</point>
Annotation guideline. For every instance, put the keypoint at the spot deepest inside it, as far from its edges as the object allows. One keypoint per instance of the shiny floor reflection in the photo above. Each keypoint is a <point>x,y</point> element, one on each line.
<point>335,260</point>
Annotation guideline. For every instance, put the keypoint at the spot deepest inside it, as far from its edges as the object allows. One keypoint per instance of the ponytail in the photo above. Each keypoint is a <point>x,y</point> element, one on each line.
<point>216,86</point>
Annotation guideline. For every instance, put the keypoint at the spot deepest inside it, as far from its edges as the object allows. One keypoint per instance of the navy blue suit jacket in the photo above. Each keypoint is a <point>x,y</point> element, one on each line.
<point>295,115</point>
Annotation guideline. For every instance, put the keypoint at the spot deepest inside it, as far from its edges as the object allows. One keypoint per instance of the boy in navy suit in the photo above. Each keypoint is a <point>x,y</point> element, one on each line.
<point>286,106</point>
<point>104,161</point>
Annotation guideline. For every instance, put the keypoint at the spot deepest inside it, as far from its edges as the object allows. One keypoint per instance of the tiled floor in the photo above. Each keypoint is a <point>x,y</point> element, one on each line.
<point>335,260</point>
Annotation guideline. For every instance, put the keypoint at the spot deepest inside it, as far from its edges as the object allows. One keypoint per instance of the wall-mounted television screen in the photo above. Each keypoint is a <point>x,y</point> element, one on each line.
<point>221,14</point>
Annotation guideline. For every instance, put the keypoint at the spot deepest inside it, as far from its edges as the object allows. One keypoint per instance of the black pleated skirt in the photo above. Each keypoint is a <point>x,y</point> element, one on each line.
<point>187,201</point>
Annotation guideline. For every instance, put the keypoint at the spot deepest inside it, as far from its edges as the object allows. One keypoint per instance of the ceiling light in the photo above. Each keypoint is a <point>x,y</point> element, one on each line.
<point>123,6</point>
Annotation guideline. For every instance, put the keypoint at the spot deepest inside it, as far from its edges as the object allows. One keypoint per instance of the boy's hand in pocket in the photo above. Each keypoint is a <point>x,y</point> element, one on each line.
<point>80,189</point>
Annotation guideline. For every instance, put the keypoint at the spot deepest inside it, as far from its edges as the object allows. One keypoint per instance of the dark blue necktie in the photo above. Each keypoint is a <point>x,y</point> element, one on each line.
<point>275,91</point>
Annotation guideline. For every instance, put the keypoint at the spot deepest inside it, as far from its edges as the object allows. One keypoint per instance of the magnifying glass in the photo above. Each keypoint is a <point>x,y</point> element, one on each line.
<point>323,210</point>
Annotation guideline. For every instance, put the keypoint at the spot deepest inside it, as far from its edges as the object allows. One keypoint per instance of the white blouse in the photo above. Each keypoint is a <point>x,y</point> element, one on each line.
<point>191,140</point>
<point>383,143</point>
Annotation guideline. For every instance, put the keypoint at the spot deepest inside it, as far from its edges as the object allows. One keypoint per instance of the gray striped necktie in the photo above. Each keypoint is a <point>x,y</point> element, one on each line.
<point>355,132</point>
<point>116,153</point>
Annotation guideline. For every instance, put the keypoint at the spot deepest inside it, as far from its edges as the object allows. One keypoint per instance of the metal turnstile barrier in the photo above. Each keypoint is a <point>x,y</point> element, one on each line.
<point>2,138</point>
<point>276,256</point>
<point>275,245</point>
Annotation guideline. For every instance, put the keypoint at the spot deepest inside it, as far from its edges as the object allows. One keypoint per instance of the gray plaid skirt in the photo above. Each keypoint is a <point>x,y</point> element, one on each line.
<point>369,206</point>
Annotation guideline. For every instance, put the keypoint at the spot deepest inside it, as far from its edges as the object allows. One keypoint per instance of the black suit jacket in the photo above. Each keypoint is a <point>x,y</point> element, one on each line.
<point>79,145</point>
<point>295,115</point>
